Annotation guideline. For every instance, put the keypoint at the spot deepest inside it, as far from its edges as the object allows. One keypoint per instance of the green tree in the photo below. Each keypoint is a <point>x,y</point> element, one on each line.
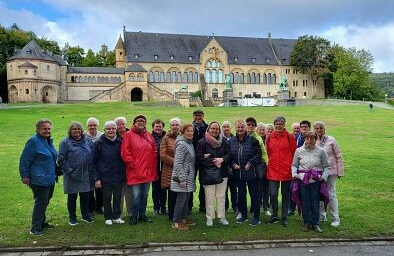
<point>106,57</point>
<point>74,55</point>
<point>311,56</point>
<point>49,45</point>
<point>91,59</point>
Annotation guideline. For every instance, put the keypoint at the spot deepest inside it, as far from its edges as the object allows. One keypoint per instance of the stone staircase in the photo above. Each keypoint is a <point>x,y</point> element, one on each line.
<point>155,93</point>
<point>109,95</point>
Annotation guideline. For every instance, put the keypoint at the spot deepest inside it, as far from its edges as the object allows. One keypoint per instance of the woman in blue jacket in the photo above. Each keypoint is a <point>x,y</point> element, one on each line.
<point>37,170</point>
<point>246,155</point>
<point>74,156</point>
<point>108,172</point>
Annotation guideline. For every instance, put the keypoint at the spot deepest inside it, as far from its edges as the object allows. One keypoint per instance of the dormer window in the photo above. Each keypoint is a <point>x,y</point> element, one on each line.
<point>28,51</point>
<point>253,59</point>
<point>156,56</point>
<point>190,57</point>
<point>171,56</point>
<point>136,56</point>
<point>283,60</point>
<point>267,60</point>
<point>235,58</point>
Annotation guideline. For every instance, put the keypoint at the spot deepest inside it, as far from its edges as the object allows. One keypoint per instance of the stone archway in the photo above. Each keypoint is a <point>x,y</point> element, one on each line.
<point>13,94</point>
<point>48,94</point>
<point>136,94</point>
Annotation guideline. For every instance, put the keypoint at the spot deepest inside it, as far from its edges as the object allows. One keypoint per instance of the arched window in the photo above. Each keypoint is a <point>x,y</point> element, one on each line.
<point>156,77</point>
<point>195,78</point>
<point>232,77</point>
<point>151,77</point>
<point>173,77</point>
<point>184,78</point>
<point>236,78</point>
<point>72,79</point>
<point>85,79</point>
<point>94,79</point>
<point>220,76</point>
<point>80,79</point>
<point>179,77</point>
<point>162,77</point>
<point>257,78</point>
<point>265,79</point>
<point>215,93</point>
<point>248,79</point>
<point>241,78</point>
<point>207,76</point>
<point>106,80</point>
<point>89,79</point>
<point>27,91</point>
<point>253,78</point>
<point>214,76</point>
<point>269,78</point>
<point>274,79</point>
<point>99,79</point>
<point>190,77</point>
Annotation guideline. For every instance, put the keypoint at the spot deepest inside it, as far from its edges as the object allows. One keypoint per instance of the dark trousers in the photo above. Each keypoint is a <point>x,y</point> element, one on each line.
<point>96,200</point>
<point>171,204</point>
<point>159,196</point>
<point>265,193</point>
<point>232,186</point>
<point>139,199</point>
<point>201,197</point>
<point>42,195</point>
<point>274,192</point>
<point>253,186</point>
<point>181,206</point>
<point>259,194</point>
<point>112,193</point>
<point>292,204</point>
<point>310,198</point>
<point>83,204</point>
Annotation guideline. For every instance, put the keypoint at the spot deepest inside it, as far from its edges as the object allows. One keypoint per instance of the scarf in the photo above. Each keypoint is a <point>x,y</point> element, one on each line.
<point>212,141</point>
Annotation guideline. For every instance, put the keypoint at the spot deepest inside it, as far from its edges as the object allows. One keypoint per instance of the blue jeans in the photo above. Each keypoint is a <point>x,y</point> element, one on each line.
<point>310,198</point>
<point>139,199</point>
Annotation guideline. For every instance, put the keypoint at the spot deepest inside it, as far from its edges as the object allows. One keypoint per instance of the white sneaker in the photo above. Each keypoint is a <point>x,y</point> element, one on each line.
<point>223,221</point>
<point>323,218</point>
<point>268,213</point>
<point>118,221</point>
<point>239,215</point>
<point>209,222</point>
<point>108,222</point>
<point>335,223</point>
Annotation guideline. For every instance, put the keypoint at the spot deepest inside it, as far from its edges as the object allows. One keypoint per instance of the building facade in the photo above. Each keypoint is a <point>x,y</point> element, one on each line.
<point>153,66</point>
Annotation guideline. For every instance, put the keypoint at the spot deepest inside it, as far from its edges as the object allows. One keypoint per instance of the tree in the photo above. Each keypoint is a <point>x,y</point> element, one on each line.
<point>91,59</point>
<point>49,45</point>
<point>310,56</point>
<point>107,58</point>
<point>74,55</point>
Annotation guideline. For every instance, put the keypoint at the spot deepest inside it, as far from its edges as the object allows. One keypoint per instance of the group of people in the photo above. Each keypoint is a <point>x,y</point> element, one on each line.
<point>119,165</point>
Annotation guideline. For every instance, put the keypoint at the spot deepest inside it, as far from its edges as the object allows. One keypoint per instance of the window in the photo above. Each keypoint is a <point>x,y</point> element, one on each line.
<point>220,76</point>
<point>151,76</point>
<point>156,57</point>
<point>295,94</point>
<point>156,77</point>
<point>190,77</point>
<point>184,79</point>
<point>120,53</point>
<point>195,77</point>
<point>253,59</point>
<point>190,57</point>
<point>136,56</point>
<point>207,76</point>
<point>267,60</point>
<point>214,76</point>
<point>26,72</point>
<point>35,72</point>
<point>304,94</point>
<point>27,91</point>
<point>47,67</point>
<point>235,58</point>
<point>161,77</point>
<point>215,93</point>
<point>171,57</point>
<point>179,77</point>
<point>268,94</point>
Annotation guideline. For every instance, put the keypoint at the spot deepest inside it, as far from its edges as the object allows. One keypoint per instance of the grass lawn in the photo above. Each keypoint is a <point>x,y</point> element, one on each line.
<point>365,193</point>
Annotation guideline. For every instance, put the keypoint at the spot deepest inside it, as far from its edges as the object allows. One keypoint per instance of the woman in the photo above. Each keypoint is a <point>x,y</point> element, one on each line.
<point>260,129</point>
<point>231,184</point>
<point>108,172</point>
<point>330,145</point>
<point>310,167</point>
<point>246,155</point>
<point>139,154</point>
<point>213,152</point>
<point>74,155</point>
<point>167,153</point>
<point>281,146</point>
<point>37,170</point>
<point>269,128</point>
<point>183,176</point>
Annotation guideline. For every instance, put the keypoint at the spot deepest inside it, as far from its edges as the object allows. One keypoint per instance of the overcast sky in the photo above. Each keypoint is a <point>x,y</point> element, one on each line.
<point>364,24</point>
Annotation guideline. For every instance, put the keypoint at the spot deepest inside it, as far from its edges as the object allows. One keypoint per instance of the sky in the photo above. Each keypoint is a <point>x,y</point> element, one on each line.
<point>363,24</point>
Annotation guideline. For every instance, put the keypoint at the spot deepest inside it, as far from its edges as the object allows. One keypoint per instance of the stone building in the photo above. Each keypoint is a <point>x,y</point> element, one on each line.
<point>154,66</point>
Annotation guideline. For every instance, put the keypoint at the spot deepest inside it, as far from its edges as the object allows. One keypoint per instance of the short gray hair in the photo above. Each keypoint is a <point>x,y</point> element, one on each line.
<point>280,118</point>
<point>226,123</point>
<point>121,118</point>
<point>176,120</point>
<point>93,119</point>
<point>41,122</point>
<point>319,123</point>
<point>240,121</point>
<point>294,124</point>
<point>110,123</point>
<point>259,125</point>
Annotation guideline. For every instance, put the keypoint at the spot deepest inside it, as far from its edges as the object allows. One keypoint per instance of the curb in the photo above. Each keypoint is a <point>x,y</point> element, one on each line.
<point>200,246</point>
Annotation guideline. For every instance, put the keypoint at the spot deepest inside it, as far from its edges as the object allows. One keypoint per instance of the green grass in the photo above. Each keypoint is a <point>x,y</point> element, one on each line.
<point>365,193</point>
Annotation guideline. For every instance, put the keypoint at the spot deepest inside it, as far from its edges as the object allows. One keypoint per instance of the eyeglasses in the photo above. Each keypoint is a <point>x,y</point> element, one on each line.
<point>250,124</point>
<point>304,126</point>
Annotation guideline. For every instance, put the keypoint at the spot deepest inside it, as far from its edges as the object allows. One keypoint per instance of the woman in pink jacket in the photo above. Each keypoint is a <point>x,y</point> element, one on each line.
<point>335,160</point>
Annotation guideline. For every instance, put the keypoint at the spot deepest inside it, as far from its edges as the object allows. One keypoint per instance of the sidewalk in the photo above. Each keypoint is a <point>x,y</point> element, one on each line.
<point>193,246</point>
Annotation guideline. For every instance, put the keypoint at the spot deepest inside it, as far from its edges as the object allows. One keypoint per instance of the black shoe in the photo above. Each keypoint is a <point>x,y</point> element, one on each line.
<point>203,210</point>
<point>133,220</point>
<point>47,225</point>
<point>163,211</point>
<point>272,220</point>
<point>87,219</point>
<point>317,229</point>
<point>36,232</point>
<point>284,222</point>
<point>144,219</point>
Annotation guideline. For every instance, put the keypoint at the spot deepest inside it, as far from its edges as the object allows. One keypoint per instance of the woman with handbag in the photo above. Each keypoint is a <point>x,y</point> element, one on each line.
<point>245,157</point>
<point>213,155</point>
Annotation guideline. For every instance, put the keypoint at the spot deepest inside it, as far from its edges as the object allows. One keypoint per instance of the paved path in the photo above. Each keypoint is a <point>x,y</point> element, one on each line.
<point>323,247</point>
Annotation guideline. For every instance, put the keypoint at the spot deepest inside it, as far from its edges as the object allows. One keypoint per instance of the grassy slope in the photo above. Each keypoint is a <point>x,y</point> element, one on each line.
<point>365,194</point>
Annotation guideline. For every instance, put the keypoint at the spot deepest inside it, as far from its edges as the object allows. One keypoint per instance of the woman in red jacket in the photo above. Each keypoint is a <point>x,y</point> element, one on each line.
<point>139,154</point>
<point>280,149</point>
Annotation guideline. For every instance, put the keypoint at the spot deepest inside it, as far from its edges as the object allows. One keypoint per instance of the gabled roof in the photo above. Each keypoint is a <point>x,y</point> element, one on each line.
<point>27,65</point>
<point>119,44</point>
<point>142,47</point>
<point>135,67</point>
<point>32,51</point>
<point>95,70</point>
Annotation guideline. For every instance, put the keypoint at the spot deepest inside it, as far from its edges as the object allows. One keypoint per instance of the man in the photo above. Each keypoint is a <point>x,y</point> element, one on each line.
<point>139,154</point>
<point>304,127</point>
<point>159,196</point>
<point>37,170</point>
<point>296,129</point>
<point>263,185</point>
<point>95,196</point>
<point>200,127</point>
